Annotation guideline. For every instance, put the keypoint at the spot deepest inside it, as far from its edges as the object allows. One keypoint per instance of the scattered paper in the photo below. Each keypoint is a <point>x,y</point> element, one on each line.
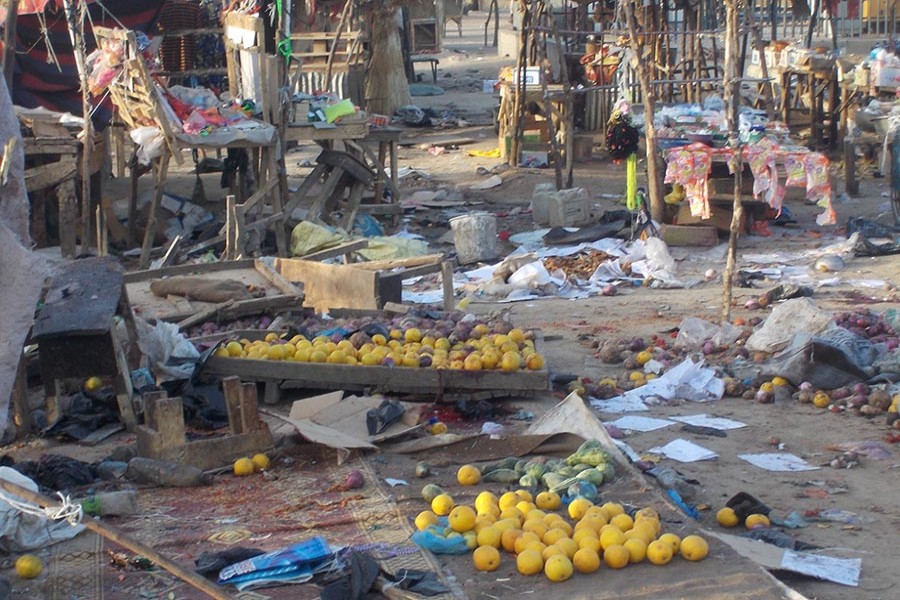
<point>778,461</point>
<point>838,570</point>
<point>619,404</point>
<point>684,451</point>
<point>395,482</point>
<point>704,420</point>
<point>627,450</point>
<point>639,423</point>
<point>686,381</point>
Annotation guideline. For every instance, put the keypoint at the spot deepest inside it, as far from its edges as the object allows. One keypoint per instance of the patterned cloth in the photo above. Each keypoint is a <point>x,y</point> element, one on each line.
<point>296,563</point>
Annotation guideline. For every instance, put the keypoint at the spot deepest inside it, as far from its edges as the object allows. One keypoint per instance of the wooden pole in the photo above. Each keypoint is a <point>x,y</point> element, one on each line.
<point>75,21</point>
<point>519,104</point>
<point>337,38</point>
<point>732,85</point>
<point>9,41</point>
<point>654,172</point>
<point>111,533</point>
<point>768,93</point>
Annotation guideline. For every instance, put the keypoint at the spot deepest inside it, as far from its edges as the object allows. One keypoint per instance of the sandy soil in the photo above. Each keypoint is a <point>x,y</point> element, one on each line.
<point>571,328</point>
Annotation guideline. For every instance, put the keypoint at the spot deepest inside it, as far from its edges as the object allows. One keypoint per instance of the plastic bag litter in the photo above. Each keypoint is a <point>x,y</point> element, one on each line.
<point>799,315</point>
<point>162,342</point>
<point>532,275</point>
<point>150,141</point>
<point>437,544</point>
<point>308,237</point>
<point>835,358</point>
<point>693,332</point>
<point>20,531</point>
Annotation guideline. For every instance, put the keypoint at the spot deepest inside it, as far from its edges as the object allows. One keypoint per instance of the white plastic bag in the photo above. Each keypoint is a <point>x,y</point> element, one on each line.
<point>150,142</point>
<point>164,341</point>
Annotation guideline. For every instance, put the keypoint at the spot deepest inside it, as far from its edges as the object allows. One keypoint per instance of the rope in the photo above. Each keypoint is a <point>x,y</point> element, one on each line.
<point>68,510</point>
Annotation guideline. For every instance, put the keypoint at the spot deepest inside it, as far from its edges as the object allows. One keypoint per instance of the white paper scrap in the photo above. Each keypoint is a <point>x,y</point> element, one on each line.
<point>395,482</point>
<point>684,451</point>
<point>838,570</point>
<point>704,420</point>
<point>620,404</point>
<point>639,423</point>
<point>778,461</point>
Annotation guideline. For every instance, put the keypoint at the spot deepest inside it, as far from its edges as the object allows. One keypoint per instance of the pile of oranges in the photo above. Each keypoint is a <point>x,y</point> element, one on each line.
<point>542,540</point>
<point>508,352</point>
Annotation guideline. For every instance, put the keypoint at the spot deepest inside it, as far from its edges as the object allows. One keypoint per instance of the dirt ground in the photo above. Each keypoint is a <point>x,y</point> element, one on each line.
<point>572,328</point>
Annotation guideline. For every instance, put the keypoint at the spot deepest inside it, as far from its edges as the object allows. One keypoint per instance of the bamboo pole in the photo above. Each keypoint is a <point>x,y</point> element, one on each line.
<point>732,91</point>
<point>111,533</point>
<point>9,41</point>
<point>75,23</point>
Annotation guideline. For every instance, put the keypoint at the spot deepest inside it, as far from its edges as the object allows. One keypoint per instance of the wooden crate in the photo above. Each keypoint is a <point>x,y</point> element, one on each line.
<point>288,374</point>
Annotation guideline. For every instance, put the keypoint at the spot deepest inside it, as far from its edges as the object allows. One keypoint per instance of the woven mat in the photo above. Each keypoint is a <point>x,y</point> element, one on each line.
<point>258,511</point>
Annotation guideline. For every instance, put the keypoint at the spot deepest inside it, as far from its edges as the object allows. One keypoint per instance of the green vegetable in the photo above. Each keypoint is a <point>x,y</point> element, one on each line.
<point>552,480</point>
<point>591,453</point>
<point>505,463</point>
<point>520,466</point>
<point>535,469</point>
<point>527,481</point>
<point>562,486</point>
<point>501,476</point>
<point>608,470</point>
<point>581,467</point>
<point>595,476</point>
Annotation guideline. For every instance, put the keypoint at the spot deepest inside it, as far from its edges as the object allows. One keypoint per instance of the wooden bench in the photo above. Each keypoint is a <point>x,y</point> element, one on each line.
<point>426,59</point>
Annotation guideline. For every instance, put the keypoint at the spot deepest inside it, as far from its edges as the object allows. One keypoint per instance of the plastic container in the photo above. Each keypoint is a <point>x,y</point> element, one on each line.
<point>122,503</point>
<point>540,203</point>
<point>475,237</point>
<point>165,473</point>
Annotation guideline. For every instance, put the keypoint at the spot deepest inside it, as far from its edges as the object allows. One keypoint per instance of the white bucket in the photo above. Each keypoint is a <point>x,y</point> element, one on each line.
<point>475,236</point>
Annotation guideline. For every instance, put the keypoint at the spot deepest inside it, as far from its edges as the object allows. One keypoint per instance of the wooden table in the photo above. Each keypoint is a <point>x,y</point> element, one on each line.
<point>75,331</point>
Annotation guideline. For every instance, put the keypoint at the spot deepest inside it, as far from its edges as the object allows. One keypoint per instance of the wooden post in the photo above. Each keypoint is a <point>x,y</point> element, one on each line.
<point>447,283</point>
<point>851,183</point>
<point>334,44</point>
<point>230,240</point>
<point>654,172</point>
<point>732,91</point>
<point>9,42</point>
<point>520,88</point>
<point>768,93</point>
<point>76,35</point>
<point>68,215</point>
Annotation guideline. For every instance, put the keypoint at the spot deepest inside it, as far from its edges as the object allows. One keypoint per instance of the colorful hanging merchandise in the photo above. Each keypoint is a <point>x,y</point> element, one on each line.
<point>689,166</point>
<point>761,157</point>
<point>622,143</point>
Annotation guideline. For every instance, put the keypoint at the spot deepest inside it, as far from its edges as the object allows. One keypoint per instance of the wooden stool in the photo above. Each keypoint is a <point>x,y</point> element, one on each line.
<point>74,330</point>
<point>337,172</point>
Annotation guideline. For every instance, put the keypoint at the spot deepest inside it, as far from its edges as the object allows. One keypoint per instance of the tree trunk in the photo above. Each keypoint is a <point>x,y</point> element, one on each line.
<point>386,85</point>
<point>654,172</point>
<point>732,93</point>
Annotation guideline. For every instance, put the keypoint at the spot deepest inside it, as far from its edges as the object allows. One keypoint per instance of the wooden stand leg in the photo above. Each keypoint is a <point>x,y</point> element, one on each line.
<point>21,412</point>
<point>162,173</point>
<point>231,387</point>
<point>133,167</point>
<point>278,194</point>
<point>851,184</point>
<point>249,408</point>
<point>271,393</point>
<point>53,391</point>
<point>230,239</point>
<point>447,283</point>
<point>68,209</point>
<point>124,389</point>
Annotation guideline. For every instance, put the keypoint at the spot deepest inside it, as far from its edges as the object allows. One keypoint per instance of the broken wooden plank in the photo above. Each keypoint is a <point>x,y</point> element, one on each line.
<point>342,249</point>
<point>205,314</point>
<point>49,175</point>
